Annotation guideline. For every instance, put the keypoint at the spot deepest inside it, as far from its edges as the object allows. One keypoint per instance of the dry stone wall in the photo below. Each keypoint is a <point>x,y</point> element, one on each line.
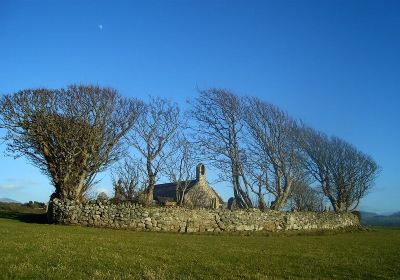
<point>137,217</point>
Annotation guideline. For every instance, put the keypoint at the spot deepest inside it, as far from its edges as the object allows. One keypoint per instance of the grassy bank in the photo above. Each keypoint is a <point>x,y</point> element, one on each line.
<point>31,250</point>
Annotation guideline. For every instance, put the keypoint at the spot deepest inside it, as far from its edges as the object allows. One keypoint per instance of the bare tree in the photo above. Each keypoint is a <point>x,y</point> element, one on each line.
<point>317,150</point>
<point>128,180</point>
<point>255,167</point>
<point>219,126</point>
<point>70,134</point>
<point>180,167</point>
<point>352,174</point>
<point>152,136</point>
<point>272,134</point>
<point>305,198</point>
<point>345,175</point>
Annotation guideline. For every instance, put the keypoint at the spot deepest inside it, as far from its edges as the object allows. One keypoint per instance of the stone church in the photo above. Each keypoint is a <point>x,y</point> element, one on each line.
<point>198,194</point>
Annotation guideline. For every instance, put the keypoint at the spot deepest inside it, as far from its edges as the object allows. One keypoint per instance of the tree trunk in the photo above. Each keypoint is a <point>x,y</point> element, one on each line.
<point>279,202</point>
<point>150,191</point>
<point>247,200</point>
<point>276,204</point>
<point>261,202</point>
<point>242,199</point>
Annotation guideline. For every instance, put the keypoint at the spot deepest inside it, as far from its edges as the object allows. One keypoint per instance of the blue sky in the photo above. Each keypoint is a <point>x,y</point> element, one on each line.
<point>334,64</point>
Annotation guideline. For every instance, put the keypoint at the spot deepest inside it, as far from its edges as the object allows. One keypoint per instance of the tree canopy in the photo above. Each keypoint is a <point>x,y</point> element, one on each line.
<point>70,134</point>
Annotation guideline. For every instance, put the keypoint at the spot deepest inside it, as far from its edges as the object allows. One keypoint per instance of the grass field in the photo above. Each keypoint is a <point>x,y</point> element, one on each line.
<point>31,250</point>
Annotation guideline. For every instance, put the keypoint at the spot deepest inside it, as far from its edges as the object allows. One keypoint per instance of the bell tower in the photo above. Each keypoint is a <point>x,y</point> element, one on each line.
<point>200,173</point>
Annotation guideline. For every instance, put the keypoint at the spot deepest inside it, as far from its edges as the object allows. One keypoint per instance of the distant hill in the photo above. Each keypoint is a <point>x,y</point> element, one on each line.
<point>397,214</point>
<point>8,200</point>
<point>373,219</point>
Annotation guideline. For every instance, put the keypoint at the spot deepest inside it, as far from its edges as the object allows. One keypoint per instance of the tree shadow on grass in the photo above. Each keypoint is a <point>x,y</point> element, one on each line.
<point>35,218</point>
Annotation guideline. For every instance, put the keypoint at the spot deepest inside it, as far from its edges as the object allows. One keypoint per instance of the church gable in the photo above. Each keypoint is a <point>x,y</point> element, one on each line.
<point>202,196</point>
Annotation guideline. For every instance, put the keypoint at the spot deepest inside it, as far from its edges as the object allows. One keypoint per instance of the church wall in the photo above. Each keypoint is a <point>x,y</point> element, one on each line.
<point>201,195</point>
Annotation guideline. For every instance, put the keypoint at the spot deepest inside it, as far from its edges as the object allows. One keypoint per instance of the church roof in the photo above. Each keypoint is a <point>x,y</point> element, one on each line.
<point>167,192</point>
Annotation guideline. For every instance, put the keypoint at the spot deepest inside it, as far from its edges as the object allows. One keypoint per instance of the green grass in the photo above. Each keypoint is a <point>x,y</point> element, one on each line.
<point>30,250</point>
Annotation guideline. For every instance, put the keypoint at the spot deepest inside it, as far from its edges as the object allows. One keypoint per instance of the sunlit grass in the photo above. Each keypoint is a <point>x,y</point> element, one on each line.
<point>41,251</point>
